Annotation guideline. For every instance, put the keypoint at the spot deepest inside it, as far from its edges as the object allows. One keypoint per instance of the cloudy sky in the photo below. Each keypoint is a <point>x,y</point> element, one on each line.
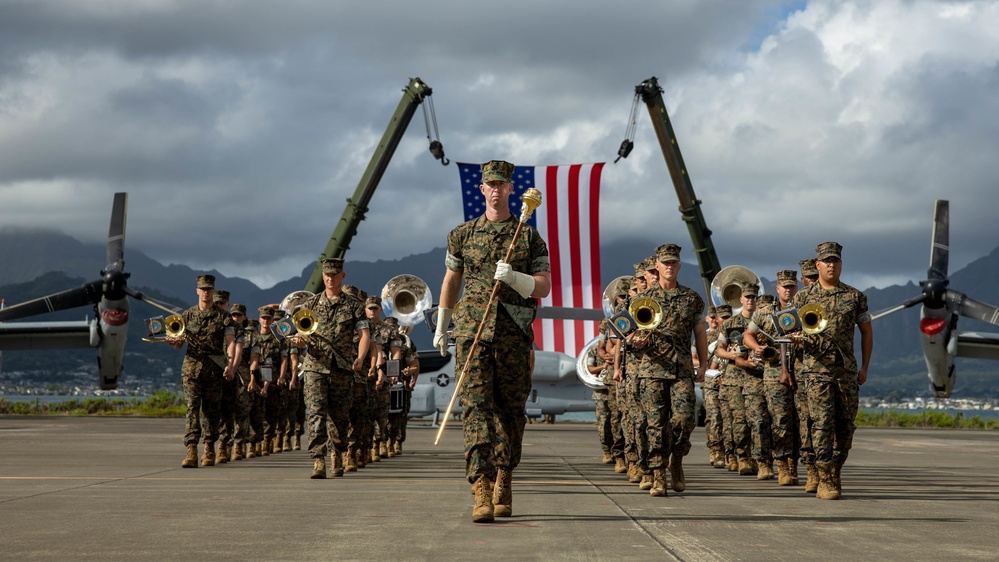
<point>240,128</point>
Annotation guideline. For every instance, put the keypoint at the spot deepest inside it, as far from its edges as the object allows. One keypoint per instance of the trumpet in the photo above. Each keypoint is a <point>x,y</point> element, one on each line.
<point>814,318</point>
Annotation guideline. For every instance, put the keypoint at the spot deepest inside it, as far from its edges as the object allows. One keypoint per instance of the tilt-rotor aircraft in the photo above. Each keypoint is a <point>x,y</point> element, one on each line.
<point>106,332</point>
<point>941,309</point>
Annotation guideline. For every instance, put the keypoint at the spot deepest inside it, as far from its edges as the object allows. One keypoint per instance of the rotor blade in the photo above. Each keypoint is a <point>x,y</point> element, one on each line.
<point>71,298</point>
<point>967,306</point>
<point>116,233</point>
<point>153,302</point>
<point>891,310</point>
<point>940,251</point>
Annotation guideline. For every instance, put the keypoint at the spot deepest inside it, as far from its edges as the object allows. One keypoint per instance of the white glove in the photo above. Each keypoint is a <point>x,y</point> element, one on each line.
<point>521,282</point>
<point>440,334</point>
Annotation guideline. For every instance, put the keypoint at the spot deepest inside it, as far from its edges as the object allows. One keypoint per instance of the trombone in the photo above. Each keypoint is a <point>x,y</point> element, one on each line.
<point>814,318</point>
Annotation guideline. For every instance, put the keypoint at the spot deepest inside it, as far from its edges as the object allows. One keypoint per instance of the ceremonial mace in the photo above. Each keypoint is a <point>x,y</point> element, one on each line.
<point>532,200</point>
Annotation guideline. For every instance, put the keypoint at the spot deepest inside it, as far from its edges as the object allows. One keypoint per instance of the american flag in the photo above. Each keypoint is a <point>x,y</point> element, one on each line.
<point>568,220</point>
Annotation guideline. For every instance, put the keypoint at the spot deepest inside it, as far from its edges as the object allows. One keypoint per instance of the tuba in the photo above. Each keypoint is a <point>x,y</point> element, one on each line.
<point>726,287</point>
<point>814,318</point>
<point>609,297</point>
<point>584,374</point>
<point>406,297</point>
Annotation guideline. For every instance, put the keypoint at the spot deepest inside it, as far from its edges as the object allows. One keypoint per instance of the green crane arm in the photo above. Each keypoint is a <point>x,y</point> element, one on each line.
<point>412,95</point>
<point>690,207</point>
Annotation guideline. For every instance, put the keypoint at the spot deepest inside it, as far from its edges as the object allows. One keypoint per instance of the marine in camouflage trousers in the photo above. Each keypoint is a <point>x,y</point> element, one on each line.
<point>804,420</point>
<point>273,410</point>
<point>780,405</point>
<point>655,432</point>
<point>327,402</point>
<point>360,418</point>
<point>710,389</point>
<point>291,400</point>
<point>683,405</point>
<point>203,395</point>
<point>235,411</point>
<point>381,413</point>
<point>757,417</point>
<point>735,432</point>
<point>833,400</point>
<point>493,396</point>
<point>257,417</point>
<point>609,421</point>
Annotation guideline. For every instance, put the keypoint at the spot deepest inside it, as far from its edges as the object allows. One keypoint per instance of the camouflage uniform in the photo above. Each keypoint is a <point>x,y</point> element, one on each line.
<point>830,366</point>
<point>748,404</point>
<point>779,397</point>
<point>272,352</point>
<point>498,380</point>
<point>329,371</point>
<point>380,415</point>
<point>243,422</point>
<point>710,390</point>
<point>807,453</point>
<point>608,415</point>
<point>665,362</point>
<point>203,368</point>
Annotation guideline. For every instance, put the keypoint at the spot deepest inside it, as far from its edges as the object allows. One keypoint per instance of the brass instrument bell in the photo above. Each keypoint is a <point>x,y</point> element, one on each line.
<point>648,313</point>
<point>814,318</point>
<point>174,326</point>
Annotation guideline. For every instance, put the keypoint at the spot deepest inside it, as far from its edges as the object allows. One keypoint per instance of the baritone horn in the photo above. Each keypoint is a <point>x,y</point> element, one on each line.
<point>406,297</point>
<point>814,318</point>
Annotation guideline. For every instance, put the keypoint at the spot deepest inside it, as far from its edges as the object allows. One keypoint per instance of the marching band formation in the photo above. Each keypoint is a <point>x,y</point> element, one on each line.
<point>779,376</point>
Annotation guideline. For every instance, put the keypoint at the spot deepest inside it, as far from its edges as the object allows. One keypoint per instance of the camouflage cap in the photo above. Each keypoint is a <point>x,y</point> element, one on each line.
<point>332,266</point>
<point>497,170</point>
<point>640,268</point>
<point>265,312</point>
<point>650,264</point>
<point>828,250</point>
<point>724,311</point>
<point>668,252</point>
<point>808,267</point>
<point>750,290</point>
<point>373,302</point>
<point>765,300</point>
<point>787,278</point>
<point>621,290</point>
<point>712,311</point>
<point>206,281</point>
<point>238,309</point>
<point>221,296</point>
<point>391,321</point>
<point>278,313</point>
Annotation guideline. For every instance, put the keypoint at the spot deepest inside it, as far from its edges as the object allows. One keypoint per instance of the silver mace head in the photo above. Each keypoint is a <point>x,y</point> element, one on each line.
<point>532,200</point>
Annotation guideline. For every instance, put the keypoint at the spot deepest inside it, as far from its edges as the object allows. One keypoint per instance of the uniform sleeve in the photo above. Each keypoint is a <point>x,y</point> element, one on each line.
<point>863,315</point>
<point>539,255</point>
<point>454,259</point>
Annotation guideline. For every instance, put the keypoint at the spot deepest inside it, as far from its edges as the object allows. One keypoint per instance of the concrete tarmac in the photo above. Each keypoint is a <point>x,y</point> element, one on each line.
<point>112,489</point>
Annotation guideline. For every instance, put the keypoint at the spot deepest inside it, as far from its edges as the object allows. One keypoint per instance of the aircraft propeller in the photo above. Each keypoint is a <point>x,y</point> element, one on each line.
<point>935,292</point>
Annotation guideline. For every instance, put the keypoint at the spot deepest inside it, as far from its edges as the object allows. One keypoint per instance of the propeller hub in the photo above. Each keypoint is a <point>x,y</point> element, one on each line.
<point>935,291</point>
<point>113,284</point>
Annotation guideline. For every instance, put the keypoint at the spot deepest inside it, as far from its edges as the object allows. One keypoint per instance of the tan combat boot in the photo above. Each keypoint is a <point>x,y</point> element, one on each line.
<point>265,447</point>
<point>287,443</point>
<point>382,450</point>
<point>191,460</point>
<point>731,464</point>
<point>251,451</point>
<point>237,452</point>
<point>276,444</point>
<point>812,483</point>
<point>375,457</point>
<point>620,467</point>
<point>765,470</point>
<point>827,490</point>
<point>792,468</point>
<point>390,448</point>
<point>398,448</point>
<point>503,493</point>
<point>337,463</point>
<point>298,442</point>
<point>608,458</point>
<point>208,459</point>
<point>362,458</point>
<point>350,464</point>
<point>658,485</point>
<point>719,461</point>
<point>634,474</point>
<point>676,479</point>
<point>745,466</point>
<point>836,480</point>
<point>483,491</point>
<point>223,456</point>
<point>646,482</point>
<point>318,468</point>
<point>784,473</point>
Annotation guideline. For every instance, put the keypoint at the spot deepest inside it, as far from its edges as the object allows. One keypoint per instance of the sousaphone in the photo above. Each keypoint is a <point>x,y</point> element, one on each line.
<point>406,297</point>
<point>609,301</point>
<point>726,287</point>
<point>584,375</point>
